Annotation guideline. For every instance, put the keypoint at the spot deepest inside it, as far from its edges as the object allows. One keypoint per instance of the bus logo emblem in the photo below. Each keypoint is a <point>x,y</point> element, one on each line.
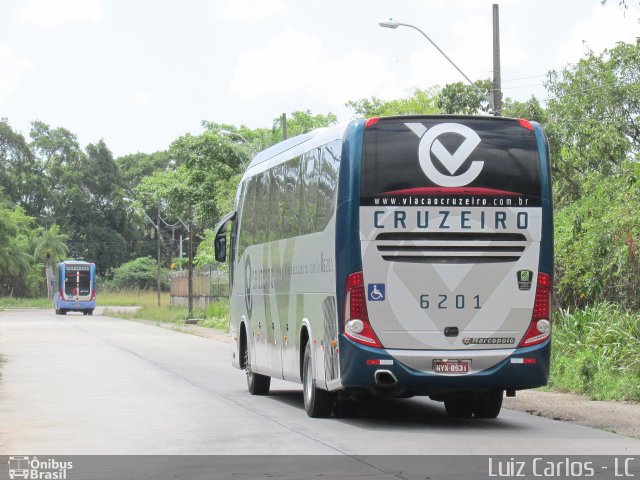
<point>376,292</point>
<point>524,279</point>
<point>430,146</point>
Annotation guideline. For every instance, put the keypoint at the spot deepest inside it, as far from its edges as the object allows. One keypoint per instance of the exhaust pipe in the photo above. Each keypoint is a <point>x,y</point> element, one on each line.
<point>385,378</point>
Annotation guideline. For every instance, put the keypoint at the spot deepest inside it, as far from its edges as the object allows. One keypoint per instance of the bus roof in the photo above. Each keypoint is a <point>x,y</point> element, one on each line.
<point>293,142</point>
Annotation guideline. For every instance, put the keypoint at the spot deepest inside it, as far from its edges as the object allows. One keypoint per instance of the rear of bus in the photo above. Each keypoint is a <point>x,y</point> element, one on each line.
<point>447,284</point>
<point>76,290</point>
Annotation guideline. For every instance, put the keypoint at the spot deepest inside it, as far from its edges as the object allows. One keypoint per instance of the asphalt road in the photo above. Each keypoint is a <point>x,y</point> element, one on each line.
<point>96,385</point>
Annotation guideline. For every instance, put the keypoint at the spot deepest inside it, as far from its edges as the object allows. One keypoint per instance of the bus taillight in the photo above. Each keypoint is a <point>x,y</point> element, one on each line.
<point>93,294</point>
<point>356,317</point>
<point>525,124</point>
<point>61,294</point>
<point>540,326</point>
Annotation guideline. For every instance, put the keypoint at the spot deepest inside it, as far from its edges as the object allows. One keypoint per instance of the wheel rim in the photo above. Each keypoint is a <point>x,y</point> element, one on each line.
<point>247,369</point>
<point>308,382</point>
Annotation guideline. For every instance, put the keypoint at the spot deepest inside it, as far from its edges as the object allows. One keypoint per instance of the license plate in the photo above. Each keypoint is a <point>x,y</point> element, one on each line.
<point>451,366</point>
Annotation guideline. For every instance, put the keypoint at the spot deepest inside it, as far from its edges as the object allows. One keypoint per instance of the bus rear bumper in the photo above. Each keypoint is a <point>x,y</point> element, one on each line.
<point>376,369</point>
<point>76,306</point>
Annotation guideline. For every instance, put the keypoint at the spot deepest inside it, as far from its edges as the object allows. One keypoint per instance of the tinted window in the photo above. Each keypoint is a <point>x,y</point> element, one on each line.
<point>294,198</point>
<point>465,153</point>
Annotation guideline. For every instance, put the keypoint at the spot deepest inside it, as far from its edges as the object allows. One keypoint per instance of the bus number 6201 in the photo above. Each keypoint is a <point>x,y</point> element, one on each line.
<point>443,301</point>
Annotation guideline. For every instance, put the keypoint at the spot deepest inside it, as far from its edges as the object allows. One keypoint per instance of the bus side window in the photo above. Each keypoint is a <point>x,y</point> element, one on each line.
<point>262,208</point>
<point>290,210</point>
<point>248,226</point>
<point>310,198</point>
<point>327,184</point>
<point>273,207</point>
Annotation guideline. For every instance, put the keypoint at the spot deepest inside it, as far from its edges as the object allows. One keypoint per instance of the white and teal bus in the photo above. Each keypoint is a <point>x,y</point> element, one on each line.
<point>394,257</point>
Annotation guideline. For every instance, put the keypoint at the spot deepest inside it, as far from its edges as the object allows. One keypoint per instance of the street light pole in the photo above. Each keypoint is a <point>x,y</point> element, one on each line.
<point>395,24</point>
<point>190,265</point>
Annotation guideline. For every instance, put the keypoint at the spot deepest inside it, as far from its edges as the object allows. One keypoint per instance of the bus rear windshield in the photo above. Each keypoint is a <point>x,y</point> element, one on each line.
<point>77,283</point>
<point>450,156</point>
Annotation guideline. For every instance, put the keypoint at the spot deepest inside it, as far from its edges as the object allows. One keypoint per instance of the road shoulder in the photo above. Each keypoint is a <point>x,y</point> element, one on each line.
<point>613,416</point>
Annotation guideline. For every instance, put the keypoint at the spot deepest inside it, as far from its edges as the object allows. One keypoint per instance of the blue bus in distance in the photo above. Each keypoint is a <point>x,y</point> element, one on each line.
<point>76,287</point>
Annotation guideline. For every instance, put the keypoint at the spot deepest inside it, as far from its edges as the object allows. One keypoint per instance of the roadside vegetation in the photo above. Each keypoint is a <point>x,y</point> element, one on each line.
<point>59,200</point>
<point>216,315</point>
<point>596,351</point>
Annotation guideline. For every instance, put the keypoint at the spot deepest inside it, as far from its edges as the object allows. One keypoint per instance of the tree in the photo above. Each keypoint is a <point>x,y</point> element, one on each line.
<point>134,167</point>
<point>420,102</point>
<point>21,176</point>
<point>17,264</point>
<point>300,122</point>
<point>139,274</point>
<point>460,98</point>
<point>50,246</point>
<point>595,114</point>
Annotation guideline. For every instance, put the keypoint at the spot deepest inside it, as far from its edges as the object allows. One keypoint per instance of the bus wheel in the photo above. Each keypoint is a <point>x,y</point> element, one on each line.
<point>63,311</point>
<point>256,383</point>
<point>90,312</point>
<point>488,404</point>
<point>459,407</point>
<point>317,402</point>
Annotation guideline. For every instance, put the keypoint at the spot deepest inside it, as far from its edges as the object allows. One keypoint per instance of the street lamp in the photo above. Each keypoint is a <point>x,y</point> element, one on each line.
<point>391,23</point>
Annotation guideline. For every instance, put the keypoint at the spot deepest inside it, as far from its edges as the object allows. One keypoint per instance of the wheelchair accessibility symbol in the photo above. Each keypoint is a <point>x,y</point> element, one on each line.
<point>376,292</point>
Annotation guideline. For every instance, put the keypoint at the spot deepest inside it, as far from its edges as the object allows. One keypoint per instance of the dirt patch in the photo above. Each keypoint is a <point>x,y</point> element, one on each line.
<point>619,417</point>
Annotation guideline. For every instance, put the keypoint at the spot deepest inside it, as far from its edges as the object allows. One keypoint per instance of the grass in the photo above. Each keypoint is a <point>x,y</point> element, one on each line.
<point>10,302</point>
<point>215,316</point>
<point>596,352</point>
<point>141,298</point>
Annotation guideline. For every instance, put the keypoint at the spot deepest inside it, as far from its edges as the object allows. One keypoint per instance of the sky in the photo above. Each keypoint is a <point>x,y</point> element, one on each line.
<point>140,73</point>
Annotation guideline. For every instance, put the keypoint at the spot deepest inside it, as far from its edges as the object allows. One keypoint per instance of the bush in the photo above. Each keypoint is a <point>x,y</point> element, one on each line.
<point>597,242</point>
<point>138,274</point>
<point>596,351</point>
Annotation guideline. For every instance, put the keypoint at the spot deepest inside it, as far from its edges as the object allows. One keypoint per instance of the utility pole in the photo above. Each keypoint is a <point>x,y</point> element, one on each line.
<point>158,235</point>
<point>190,261</point>
<point>284,126</point>
<point>497,83</point>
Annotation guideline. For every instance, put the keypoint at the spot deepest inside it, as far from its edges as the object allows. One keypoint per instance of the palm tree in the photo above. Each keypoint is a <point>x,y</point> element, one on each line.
<point>51,246</point>
<point>16,262</point>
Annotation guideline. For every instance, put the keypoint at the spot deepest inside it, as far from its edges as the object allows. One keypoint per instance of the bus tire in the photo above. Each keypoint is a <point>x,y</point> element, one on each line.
<point>63,311</point>
<point>90,312</point>
<point>256,383</point>
<point>318,403</point>
<point>459,407</point>
<point>488,404</point>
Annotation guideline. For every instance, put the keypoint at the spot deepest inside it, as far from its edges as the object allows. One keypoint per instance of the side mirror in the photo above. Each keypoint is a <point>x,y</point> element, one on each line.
<point>220,246</point>
<point>220,243</point>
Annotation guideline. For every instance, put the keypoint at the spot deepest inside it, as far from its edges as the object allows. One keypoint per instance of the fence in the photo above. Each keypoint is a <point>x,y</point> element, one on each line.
<point>209,285</point>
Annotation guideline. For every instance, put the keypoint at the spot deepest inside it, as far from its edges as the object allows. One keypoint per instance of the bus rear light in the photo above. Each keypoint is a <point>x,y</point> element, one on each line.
<point>525,124</point>
<point>540,326</point>
<point>93,294</point>
<point>61,295</point>
<point>378,361</point>
<point>524,361</point>
<point>356,317</point>
<point>370,122</point>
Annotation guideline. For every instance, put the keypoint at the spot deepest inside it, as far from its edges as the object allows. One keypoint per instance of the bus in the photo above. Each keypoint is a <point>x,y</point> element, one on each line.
<point>395,257</point>
<point>75,287</point>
